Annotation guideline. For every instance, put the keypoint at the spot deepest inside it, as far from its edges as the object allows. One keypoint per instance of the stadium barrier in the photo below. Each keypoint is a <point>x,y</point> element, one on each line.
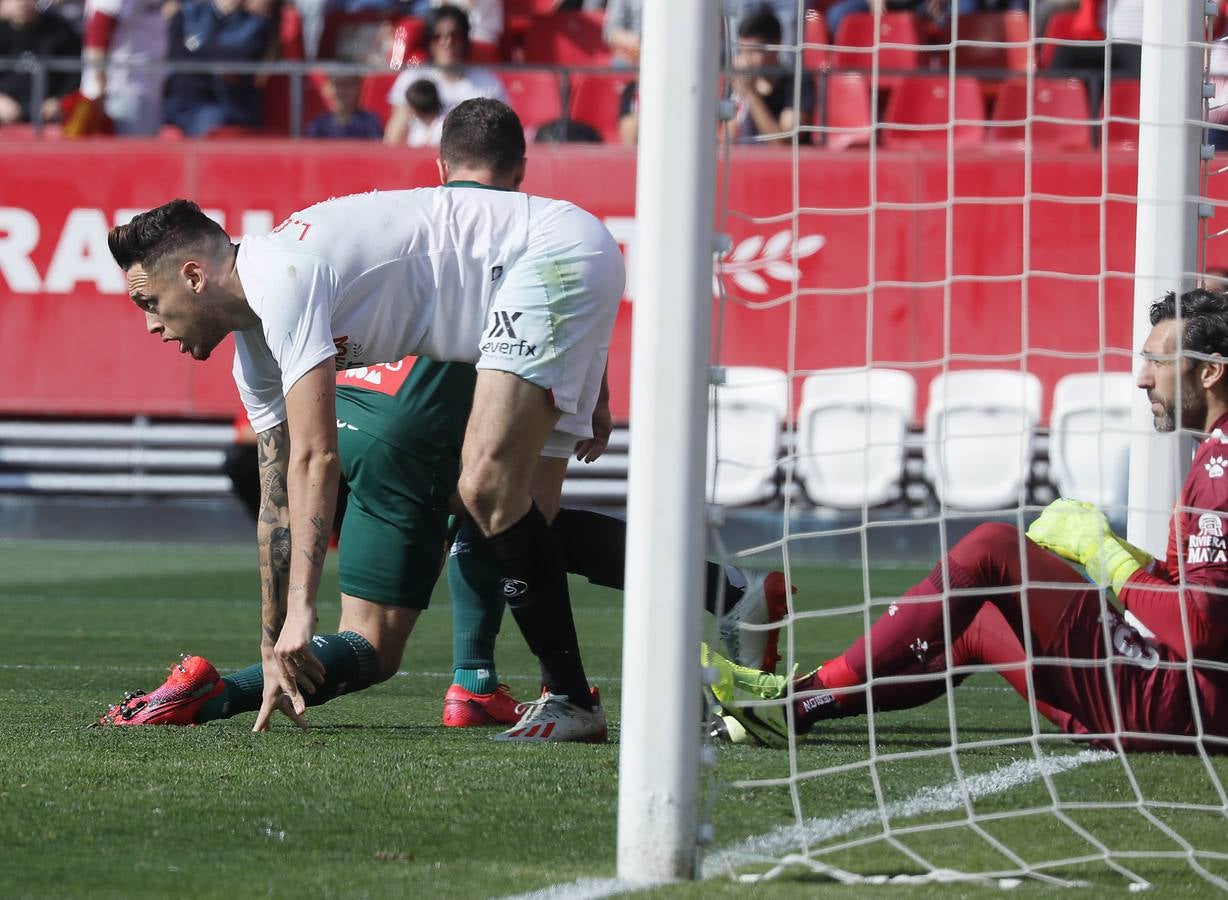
<point>76,347</point>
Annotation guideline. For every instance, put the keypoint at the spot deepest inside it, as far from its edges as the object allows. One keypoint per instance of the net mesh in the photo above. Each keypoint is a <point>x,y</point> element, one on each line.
<point>924,318</point>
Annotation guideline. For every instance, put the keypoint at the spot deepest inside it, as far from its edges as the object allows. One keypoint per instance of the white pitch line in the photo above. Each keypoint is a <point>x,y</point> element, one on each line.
<point>788,839</point>
<point>943,798</point>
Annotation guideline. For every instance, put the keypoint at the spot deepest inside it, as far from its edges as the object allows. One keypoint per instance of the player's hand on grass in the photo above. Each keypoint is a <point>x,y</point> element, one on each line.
<point>275,698</point>
<point>290,667</point>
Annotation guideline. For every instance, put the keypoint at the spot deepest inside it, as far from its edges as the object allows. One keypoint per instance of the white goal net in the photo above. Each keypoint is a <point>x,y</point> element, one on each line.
<point>927,317</point>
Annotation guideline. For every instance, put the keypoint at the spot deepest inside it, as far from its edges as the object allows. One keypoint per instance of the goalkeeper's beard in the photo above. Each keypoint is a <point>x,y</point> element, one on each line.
<point>1193,409</point>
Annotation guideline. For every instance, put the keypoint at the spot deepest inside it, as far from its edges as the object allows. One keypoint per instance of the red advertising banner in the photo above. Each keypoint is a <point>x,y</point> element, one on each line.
<point>920,264</point>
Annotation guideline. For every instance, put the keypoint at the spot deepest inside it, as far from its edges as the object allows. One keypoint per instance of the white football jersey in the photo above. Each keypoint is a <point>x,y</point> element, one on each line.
<point>371,278</point>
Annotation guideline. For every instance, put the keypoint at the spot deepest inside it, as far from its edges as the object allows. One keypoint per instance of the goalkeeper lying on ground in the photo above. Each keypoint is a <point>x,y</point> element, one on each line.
<point>1142,699</point>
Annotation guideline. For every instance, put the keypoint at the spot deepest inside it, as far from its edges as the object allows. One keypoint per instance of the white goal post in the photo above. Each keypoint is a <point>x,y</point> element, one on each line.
<point>661,832</point>
<point>658,785</point>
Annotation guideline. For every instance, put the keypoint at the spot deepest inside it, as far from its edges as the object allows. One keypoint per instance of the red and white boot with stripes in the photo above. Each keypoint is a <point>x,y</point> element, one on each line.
<point>552,718</point>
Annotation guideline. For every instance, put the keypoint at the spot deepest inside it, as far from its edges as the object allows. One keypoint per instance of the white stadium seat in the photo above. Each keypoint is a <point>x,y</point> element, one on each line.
<point>850,435</point>
<point>1089,436</point>
<point>979,425</point>
<point>745,417</point>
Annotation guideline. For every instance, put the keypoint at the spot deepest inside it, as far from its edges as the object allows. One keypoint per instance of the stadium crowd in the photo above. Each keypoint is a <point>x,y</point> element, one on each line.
<point>392,69</point>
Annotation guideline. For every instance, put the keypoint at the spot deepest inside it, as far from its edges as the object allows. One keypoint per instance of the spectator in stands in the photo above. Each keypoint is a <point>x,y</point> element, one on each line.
<point>447,34</point>
<point>485,18</point>
<point>765,102</point>
<point>125,40</point>
<point>345,119</point>
<point>217,31</point>
<point>786,14</point>
<point>24,31</point>
<point>623,19</point>
<point>425,114</point>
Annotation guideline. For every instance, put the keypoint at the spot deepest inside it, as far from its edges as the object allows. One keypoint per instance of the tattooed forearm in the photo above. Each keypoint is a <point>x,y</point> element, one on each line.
<point>273,607</point>
<point>319,541</point>
<point>273,530</point>
<point>273,451</point>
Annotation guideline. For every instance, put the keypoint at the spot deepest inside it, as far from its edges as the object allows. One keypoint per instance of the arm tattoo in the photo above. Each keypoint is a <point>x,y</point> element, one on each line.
<point>273,529</point>
<point>319,541</point>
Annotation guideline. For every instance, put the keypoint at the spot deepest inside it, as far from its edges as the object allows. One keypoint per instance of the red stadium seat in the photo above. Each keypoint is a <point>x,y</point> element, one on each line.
<point>374,94</point>
<point>518,19</point>
<point>1059,98</point>
<point>407,48</point>
<point>926,101</point>
<point>993,27</point>
<point>1065,25</point>
<point>534,95</point>
<point>596,99</point>
<point>848,110</point>
<point>858,30</point>
<point>566,39</point>
<point>815,32</point>
<point>1122,102</point>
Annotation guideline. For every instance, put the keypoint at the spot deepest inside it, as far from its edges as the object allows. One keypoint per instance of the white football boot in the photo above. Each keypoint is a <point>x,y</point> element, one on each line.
<point>763,602</point>
<point>553,718</point>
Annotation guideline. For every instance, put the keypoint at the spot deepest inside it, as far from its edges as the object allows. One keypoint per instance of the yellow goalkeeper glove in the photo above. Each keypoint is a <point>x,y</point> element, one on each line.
<point>1081,533</point>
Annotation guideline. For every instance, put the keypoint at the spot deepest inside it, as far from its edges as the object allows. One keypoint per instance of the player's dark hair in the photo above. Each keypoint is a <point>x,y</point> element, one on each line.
<point>482,134</point>
<point>760,24</point>
<point>423,97</point>
<point>167,230</point>
<point>445,13</point>
<point>1204,317</point>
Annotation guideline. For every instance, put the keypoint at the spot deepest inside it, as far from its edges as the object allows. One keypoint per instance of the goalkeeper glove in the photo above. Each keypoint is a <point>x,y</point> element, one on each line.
<point>1081,533</point>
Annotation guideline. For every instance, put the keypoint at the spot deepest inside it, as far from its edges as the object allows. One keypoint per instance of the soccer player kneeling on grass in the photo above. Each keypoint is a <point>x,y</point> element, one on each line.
<point>400,431</point>
<point>1158,692</point>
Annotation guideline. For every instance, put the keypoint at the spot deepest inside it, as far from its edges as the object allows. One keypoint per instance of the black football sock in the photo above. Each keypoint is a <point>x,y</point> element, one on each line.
<point>534,585</point>
<point>595,546</point>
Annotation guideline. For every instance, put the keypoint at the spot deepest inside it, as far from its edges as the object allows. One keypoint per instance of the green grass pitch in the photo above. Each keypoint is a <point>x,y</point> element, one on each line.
<point>379,800</point>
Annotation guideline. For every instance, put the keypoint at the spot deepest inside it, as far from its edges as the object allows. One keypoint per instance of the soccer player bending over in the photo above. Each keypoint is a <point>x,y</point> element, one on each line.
<point>525,287</point>
<point>400,429</point>
<point>1151,693</point>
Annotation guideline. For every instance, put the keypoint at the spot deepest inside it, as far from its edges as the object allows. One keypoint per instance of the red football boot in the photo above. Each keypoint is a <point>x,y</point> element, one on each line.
<point>192,681</point>
<point>465,709</point>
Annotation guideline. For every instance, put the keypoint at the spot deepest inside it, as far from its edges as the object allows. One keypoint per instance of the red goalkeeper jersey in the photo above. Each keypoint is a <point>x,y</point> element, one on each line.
<point>1194,577</point>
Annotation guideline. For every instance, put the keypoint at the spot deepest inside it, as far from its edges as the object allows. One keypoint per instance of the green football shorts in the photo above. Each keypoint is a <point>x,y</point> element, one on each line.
<point>393,534</point>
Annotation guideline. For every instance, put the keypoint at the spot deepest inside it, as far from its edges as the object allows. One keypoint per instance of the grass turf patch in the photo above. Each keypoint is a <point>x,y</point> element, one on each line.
<point>380,800</point>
